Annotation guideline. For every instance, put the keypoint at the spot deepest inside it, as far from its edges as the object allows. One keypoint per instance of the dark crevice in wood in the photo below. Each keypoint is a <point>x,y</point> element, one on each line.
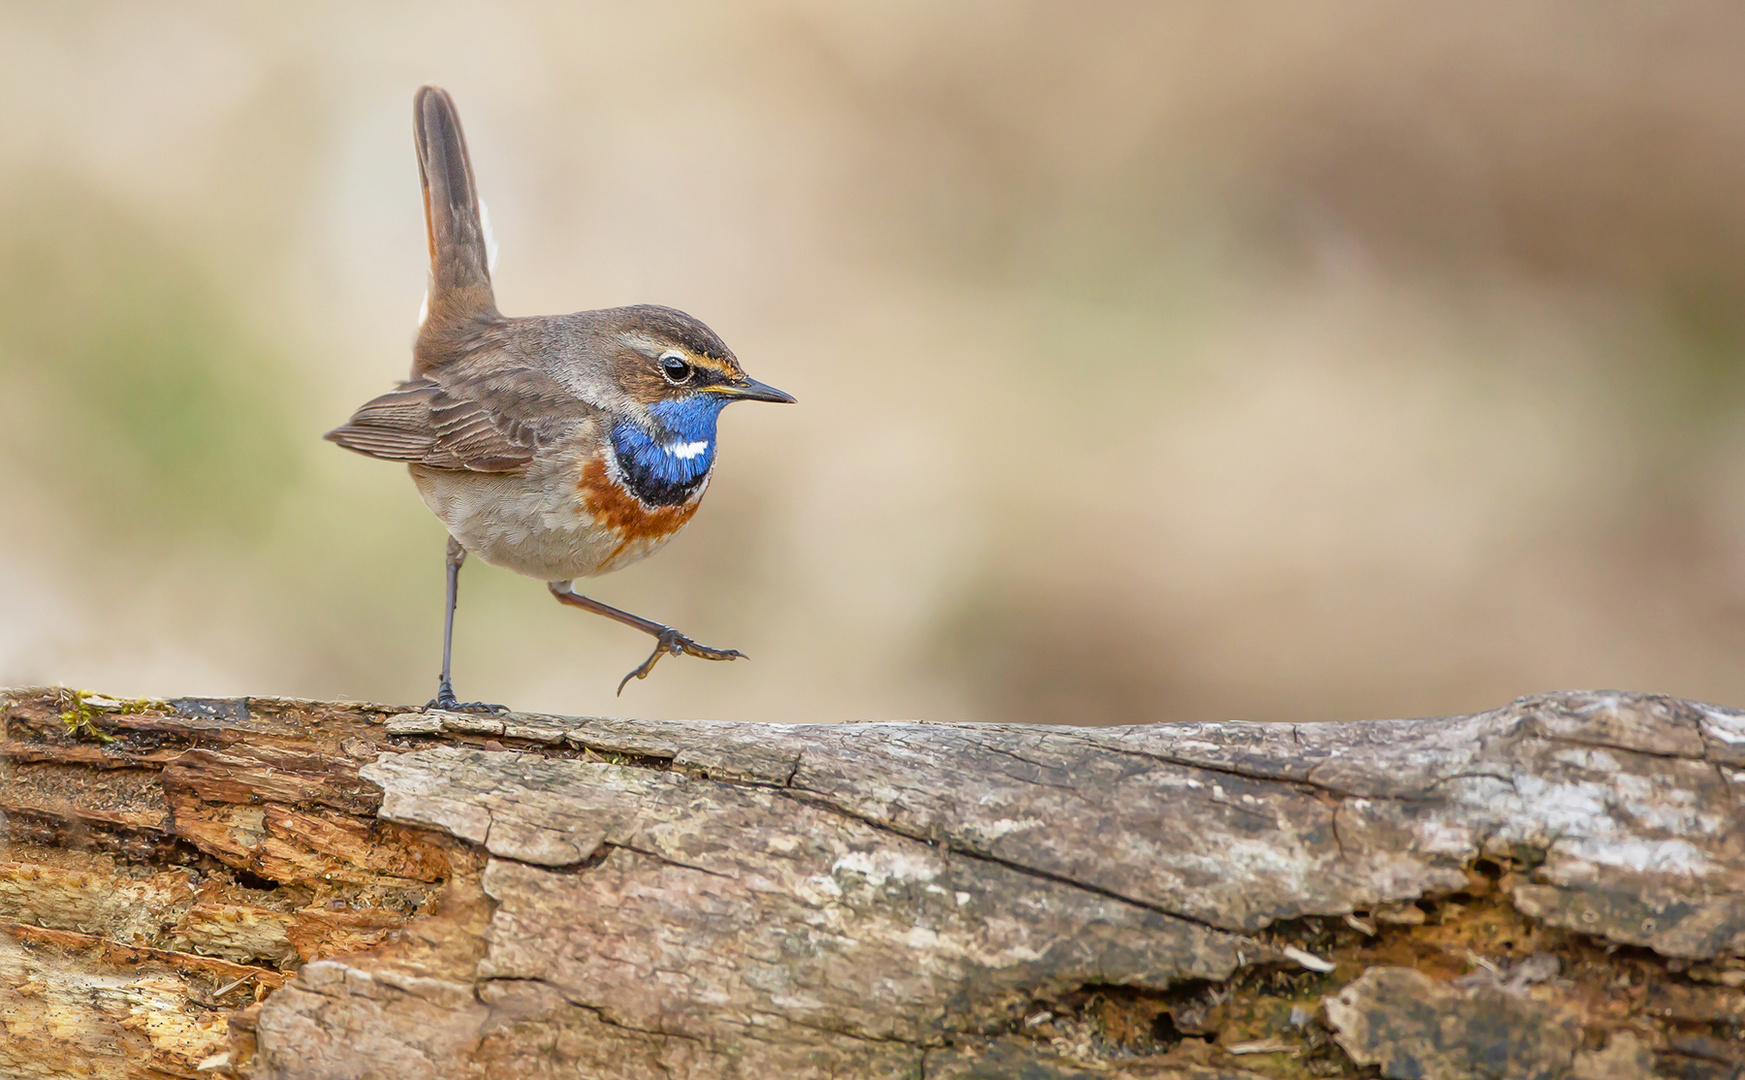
<point>817,799</point>
<point>600,1012</point>
<point>1617,748</point>
<point>663,859</point>
<point>654,762</point>
<point>848,1033</point>
<point>1304,783</point>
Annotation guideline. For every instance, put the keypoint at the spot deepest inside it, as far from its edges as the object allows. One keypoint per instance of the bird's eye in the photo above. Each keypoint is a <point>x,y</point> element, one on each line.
<point>675,369</point>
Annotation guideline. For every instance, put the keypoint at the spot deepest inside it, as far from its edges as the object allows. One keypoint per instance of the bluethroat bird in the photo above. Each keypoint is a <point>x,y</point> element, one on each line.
<point>557,446</point>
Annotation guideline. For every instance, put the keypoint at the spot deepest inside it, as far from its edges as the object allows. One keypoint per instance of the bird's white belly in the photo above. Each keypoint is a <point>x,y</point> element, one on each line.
<point>521,523</point>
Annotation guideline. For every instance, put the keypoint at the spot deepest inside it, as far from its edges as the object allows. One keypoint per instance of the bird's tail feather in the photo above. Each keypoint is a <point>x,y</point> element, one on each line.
<point>460,270</point>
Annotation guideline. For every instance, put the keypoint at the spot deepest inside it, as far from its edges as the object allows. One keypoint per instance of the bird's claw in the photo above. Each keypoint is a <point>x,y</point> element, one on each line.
<point>444,701</point>
<point>670,641</point>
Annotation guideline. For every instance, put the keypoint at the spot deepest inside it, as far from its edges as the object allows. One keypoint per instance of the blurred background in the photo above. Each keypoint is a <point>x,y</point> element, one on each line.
<point>1155,362</point>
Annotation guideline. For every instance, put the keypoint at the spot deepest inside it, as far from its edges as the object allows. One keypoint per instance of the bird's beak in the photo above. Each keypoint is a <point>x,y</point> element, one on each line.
<point>752,390</point>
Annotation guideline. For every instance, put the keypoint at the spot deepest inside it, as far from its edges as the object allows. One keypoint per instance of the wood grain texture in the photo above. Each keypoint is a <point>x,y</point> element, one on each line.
<point>1558,885</point>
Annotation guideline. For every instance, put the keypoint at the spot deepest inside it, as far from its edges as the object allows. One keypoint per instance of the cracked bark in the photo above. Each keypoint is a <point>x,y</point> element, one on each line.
<point>287,890</point>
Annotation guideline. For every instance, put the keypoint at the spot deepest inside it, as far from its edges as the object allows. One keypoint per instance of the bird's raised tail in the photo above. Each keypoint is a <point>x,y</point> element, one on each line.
<point>460,268</point>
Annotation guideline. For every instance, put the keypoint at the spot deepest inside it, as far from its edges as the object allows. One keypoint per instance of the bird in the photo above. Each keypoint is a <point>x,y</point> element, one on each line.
<point>557,446</point>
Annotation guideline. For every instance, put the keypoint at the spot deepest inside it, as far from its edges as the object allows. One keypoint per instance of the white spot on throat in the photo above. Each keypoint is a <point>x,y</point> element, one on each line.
<point>685,451</point>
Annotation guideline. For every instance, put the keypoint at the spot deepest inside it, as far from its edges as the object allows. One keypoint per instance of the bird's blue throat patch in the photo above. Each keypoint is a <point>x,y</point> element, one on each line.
<point>666,466</point>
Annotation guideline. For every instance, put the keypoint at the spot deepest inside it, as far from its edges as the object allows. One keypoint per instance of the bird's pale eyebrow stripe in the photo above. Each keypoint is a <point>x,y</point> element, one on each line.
<point>715,365</point>
<point>688,450</point>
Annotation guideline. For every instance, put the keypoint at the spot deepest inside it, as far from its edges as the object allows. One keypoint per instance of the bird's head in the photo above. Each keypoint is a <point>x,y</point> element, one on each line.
<point>676,376</point>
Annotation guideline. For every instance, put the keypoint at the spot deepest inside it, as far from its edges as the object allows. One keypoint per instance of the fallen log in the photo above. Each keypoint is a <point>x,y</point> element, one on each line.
<point>266,888</point>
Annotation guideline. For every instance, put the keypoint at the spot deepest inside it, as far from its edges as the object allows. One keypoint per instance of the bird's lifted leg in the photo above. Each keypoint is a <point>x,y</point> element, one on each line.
<point>667,640</point>
<point>445,699</point>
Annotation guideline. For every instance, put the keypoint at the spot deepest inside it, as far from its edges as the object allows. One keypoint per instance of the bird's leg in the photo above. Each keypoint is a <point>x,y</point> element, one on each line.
<point>667,640</point>
<point>445,699</point>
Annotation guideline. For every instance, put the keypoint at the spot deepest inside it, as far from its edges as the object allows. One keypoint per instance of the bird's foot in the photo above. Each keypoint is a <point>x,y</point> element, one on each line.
<point>444,701</point>
<point>670,641</point>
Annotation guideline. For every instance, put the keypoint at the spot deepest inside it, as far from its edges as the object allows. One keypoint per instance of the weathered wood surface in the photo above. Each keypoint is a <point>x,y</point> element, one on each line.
<point>279,889</point>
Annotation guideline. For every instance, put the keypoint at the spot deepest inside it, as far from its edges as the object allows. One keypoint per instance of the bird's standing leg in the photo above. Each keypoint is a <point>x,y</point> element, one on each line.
<point>445,698</point>
<point>667,640</point>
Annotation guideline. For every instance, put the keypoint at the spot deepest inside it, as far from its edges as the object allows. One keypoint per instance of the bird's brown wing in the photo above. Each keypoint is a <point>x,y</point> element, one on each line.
<point>493,423</point>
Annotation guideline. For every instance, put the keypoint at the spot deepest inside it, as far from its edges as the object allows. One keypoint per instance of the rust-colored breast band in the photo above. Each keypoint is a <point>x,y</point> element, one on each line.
<point>617,509</point>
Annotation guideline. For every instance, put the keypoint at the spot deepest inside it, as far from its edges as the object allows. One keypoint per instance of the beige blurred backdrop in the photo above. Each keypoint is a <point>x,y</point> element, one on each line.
<point>1155,361</point>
